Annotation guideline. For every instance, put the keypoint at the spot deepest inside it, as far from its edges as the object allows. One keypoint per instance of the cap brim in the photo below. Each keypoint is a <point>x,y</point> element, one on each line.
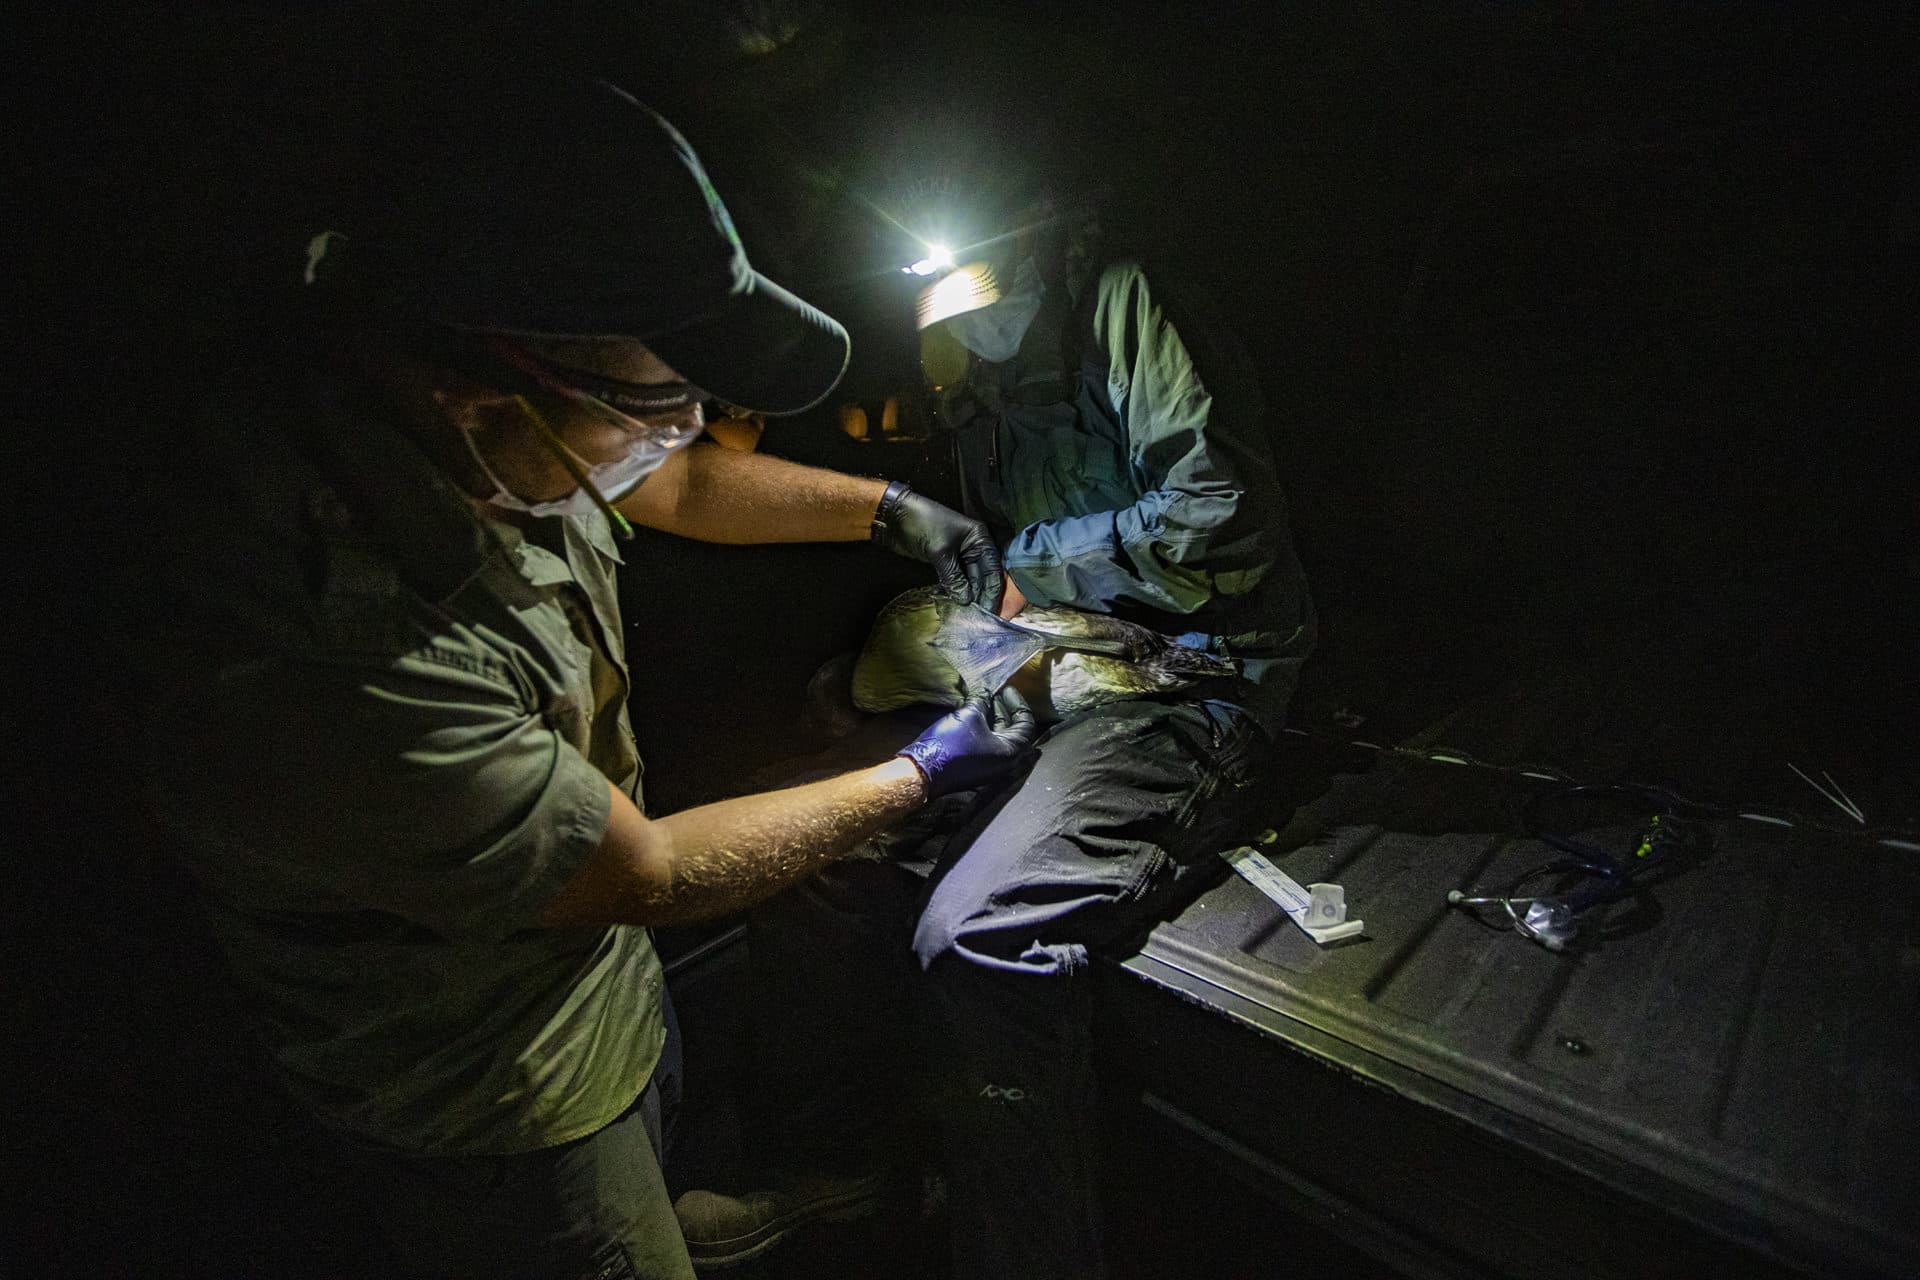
<point>963,289</point>
<point>766,351</point>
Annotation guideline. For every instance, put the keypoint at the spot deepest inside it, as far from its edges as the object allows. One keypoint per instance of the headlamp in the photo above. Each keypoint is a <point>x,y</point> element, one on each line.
<point>939,258</point>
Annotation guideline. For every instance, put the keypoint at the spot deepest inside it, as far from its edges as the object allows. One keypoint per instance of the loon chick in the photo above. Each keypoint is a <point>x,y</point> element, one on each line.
<point>928,647</point>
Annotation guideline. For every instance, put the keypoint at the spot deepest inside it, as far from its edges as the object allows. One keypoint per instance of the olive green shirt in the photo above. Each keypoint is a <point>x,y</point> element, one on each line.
<point>384,743</point>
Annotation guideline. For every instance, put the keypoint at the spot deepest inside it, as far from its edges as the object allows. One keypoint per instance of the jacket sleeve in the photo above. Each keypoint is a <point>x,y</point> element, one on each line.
<point>1192,413</point>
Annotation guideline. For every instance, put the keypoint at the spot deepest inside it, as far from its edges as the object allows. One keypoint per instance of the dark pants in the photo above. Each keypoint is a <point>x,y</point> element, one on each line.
<point>983,963</point>
<point>595,1208</point>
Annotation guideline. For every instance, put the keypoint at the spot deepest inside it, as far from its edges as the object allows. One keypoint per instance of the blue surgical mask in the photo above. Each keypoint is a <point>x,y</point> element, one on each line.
<point>994,333</point>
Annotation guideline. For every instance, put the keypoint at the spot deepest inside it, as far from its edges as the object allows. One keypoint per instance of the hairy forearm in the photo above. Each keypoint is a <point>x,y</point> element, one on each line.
<point>724,857</point>
<point>729,855</point>
<point>724,495</point>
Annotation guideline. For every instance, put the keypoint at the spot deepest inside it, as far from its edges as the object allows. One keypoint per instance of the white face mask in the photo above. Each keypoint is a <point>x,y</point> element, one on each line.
<point>615,479</point>
<point>994,333</point>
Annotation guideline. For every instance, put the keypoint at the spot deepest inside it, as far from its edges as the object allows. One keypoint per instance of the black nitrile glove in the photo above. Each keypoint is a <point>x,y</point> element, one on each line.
<point>958,547</point>
<point>971,743</point>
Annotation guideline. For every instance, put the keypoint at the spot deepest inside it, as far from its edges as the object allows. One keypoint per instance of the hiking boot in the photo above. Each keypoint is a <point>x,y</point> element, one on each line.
<point>725,1231</point>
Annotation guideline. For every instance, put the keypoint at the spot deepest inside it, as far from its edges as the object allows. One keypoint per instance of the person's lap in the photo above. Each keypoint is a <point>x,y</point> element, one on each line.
<point>1117,810</point>
<point>1112,827</point>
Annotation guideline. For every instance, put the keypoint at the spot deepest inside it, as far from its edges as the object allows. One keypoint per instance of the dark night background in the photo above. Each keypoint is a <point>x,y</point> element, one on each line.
<point>1587,334</point>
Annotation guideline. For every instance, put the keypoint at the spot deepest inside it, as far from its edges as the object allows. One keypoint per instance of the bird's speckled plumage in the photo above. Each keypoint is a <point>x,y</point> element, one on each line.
<point>927,647</point>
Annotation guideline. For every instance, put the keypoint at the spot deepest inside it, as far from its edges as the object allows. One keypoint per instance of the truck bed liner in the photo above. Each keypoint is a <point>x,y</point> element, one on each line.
<point>1743,1050</point>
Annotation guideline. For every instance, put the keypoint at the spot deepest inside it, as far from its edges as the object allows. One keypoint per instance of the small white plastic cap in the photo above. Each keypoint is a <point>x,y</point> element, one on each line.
<point>1326,915</point>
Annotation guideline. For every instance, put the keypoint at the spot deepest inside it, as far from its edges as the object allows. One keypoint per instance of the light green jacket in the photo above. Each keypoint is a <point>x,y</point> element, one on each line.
<point>1127,469</point>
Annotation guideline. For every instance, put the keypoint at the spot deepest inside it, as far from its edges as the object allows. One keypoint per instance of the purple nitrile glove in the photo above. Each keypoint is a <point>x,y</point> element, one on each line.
<point>971,743</point>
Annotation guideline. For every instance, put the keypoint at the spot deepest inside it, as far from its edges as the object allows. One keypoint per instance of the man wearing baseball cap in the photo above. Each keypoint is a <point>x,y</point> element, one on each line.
<point>391,735</point>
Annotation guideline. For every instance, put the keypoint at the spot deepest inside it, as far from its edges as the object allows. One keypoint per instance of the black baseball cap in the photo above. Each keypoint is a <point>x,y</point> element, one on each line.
<point>559,206</point>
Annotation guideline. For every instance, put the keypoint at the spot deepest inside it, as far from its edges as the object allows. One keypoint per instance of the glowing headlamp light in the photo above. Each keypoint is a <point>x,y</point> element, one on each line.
<point>939,258</point>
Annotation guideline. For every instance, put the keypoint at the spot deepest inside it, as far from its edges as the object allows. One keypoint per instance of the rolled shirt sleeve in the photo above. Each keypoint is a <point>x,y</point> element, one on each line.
<point>421,788</point>
<point>1194,445</point>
